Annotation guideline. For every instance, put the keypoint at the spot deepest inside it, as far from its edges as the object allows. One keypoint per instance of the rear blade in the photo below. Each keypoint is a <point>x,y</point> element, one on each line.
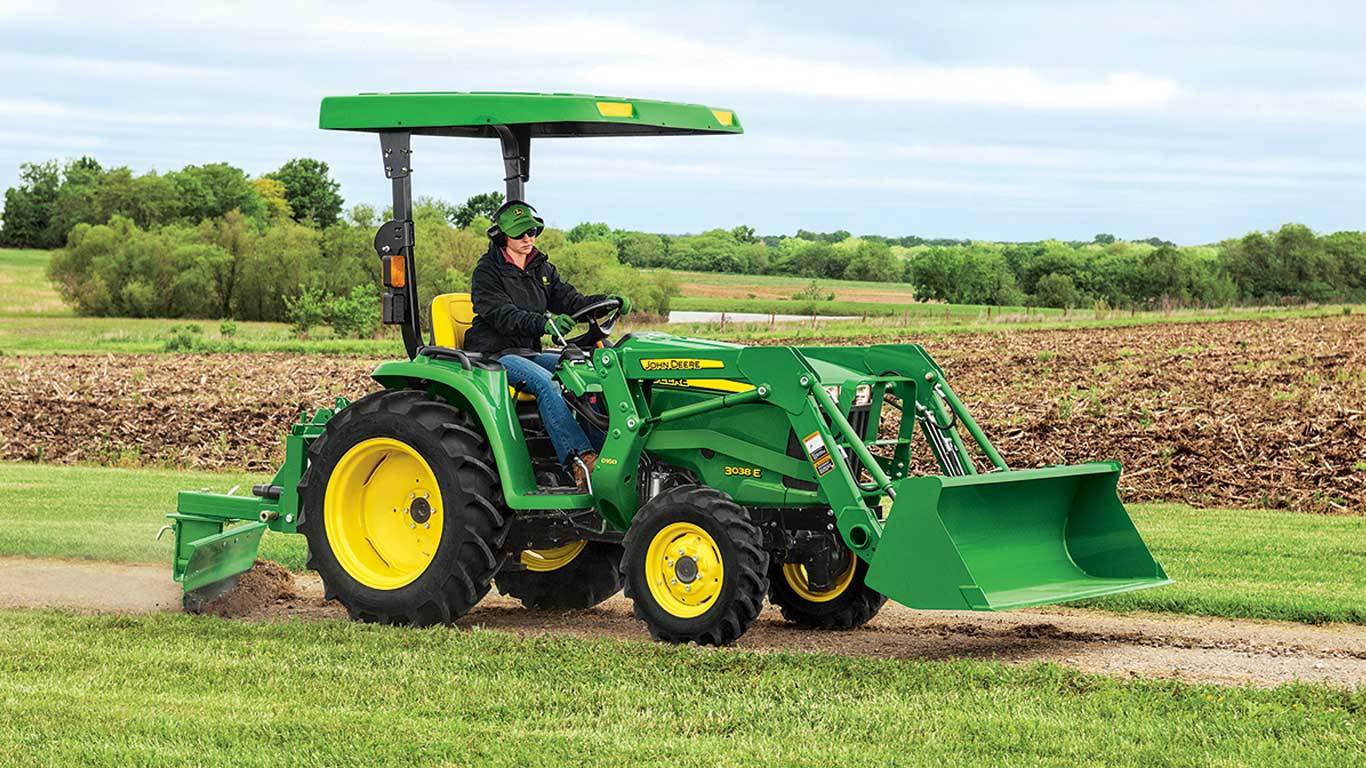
<point>218,556</point>
<point>1010,539</point>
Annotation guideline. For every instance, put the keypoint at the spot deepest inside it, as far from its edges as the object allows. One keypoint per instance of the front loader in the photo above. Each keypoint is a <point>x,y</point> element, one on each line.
<point>727,474</point>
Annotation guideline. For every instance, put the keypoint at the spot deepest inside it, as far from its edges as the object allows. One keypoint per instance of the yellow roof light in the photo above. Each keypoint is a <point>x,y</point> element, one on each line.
<point>616,109</point>
<point>724,116</point>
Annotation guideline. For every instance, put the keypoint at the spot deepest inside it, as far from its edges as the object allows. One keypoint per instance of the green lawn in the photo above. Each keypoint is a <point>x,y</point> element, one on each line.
<point>1240,563</point>
<point>193,690</point>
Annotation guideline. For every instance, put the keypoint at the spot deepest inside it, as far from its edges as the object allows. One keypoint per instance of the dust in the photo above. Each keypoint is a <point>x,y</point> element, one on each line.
<point>258,590</point>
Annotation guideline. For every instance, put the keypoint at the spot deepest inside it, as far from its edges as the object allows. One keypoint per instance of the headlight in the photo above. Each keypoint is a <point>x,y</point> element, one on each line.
<point>863,395</point>
<point>833,390</point>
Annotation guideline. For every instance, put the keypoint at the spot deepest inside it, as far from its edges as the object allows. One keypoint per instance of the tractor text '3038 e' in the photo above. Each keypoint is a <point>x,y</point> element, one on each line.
<point>728,473</point>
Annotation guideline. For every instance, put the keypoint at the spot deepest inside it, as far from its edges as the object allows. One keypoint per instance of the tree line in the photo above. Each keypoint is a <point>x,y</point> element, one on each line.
<point>1292,264</point>
<point>209,241</point>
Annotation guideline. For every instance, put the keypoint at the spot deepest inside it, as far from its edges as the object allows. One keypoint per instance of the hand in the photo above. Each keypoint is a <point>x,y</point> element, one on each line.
<point>559,325</point>
<point>625,302</point>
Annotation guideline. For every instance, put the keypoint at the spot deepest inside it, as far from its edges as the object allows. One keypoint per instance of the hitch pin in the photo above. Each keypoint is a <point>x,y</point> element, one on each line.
<point>163,531</point>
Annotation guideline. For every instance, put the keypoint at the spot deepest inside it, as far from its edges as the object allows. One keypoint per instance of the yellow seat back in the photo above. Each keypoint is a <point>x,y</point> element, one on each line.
<point>452,315</point>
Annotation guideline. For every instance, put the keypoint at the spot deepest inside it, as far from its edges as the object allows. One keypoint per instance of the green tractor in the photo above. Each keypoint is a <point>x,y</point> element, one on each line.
<point>728,474</point>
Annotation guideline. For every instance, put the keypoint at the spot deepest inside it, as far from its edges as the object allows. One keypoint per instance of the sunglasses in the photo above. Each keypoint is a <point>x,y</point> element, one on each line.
<point>529,233</point>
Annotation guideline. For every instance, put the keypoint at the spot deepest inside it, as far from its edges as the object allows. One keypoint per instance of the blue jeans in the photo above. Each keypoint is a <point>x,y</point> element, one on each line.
<point>533,375</point>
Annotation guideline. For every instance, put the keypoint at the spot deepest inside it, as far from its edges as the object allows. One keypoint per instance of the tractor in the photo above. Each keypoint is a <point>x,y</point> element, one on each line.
<point>728,474</point>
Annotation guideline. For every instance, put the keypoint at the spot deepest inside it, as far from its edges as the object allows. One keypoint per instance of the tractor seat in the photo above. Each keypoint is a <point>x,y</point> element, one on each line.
<point>452,316</point>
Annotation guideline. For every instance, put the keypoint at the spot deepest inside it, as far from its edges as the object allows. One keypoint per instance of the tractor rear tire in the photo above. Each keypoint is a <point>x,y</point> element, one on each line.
<point>590,577</point>
<point>406,483</point>
<point>696,570</point>
<point>849,604</point>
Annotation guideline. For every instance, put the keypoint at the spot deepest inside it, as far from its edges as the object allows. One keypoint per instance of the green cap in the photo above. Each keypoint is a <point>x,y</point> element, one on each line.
<point>517,217</point>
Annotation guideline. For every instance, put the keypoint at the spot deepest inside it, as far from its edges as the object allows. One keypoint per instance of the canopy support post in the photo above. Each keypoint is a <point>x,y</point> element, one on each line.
<point>394,242</point>
<point>516,141</point>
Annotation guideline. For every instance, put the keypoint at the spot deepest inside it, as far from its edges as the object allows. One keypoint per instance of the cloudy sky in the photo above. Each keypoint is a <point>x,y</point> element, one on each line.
<point>1000,120</point>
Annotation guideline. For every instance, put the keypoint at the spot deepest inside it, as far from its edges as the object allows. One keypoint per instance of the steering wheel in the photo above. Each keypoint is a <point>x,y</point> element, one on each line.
<point>601,316</point>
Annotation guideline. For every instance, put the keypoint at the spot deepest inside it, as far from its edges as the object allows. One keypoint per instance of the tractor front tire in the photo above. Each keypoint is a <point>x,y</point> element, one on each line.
<point>570,578</point>
<point>848,604</point>
<point>402,510</point>
<point>696,570</point>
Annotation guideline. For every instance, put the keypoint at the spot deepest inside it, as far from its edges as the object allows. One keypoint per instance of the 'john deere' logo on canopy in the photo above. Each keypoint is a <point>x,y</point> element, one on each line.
<point>517,211</point>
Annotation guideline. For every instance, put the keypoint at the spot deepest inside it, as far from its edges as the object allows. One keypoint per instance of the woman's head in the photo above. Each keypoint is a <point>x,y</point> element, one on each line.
<point>515,226</point>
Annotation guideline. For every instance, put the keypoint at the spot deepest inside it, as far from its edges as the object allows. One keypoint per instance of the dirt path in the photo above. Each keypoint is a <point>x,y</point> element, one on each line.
<point>1197,649</point>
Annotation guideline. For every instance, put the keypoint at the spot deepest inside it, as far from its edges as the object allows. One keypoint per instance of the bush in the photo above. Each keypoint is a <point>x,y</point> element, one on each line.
<point>188,337</point>
<point>306,310</point>
<point>227,329</point>
<point>814,292</point>
<point>355,315</point>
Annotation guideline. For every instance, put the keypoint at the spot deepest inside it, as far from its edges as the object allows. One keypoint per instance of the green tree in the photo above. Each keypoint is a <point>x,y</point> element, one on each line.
<point>641,249</point>
<point>355,315</point>
<point>933,273</point>
<point>312,193</point>
<point>872,261</point>
<point>29,207</point>
<point>81,180</point>
<point>306,309</point>
<point>483,204</point>
<point>982,276</point>
<point>1170,274</point>
<point>744,234</point>
<point>211,190</point>
<point>1056,290</point>
<point>590,230</point>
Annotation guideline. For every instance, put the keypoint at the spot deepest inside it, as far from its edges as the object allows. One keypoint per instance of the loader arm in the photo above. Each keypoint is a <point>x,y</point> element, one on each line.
<point>962,539</point>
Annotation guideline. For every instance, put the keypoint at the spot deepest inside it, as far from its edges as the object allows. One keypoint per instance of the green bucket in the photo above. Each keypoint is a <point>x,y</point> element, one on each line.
<point>1010,539</point>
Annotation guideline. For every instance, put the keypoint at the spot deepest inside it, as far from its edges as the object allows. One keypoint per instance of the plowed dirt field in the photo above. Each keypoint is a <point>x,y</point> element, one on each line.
<point>1263,413</point>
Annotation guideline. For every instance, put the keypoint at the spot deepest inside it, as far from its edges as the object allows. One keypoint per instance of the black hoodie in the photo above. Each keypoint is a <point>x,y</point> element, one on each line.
<point>510,303</point>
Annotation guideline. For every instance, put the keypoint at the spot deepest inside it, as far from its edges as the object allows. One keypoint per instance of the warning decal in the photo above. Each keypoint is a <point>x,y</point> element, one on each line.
<point>820,458</point>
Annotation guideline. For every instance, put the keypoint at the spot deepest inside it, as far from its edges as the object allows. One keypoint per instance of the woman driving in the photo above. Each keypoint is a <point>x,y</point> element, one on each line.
<point>518,297</point>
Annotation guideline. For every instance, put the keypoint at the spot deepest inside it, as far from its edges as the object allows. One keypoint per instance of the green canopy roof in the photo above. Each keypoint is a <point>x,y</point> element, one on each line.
<point>546,114</point>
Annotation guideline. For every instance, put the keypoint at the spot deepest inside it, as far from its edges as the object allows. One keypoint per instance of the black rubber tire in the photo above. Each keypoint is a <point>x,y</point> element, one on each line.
<point>590,578</point>
<point>742,556</point>
<point>856,606</point>
<point>470,551</point>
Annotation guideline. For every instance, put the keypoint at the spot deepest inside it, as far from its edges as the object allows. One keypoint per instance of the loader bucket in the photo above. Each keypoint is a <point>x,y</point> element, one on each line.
<point>1010,539</point>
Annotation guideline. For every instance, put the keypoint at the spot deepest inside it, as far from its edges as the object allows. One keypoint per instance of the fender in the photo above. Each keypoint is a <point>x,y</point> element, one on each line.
<point>483,393</point>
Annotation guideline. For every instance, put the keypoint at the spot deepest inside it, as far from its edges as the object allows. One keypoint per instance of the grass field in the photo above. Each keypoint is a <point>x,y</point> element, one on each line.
<point>1238,563</point>
<point>33,319</point>
<point>209,692</point>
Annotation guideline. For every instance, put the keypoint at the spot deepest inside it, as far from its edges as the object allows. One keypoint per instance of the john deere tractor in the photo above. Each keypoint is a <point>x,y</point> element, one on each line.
<point>728,474</point>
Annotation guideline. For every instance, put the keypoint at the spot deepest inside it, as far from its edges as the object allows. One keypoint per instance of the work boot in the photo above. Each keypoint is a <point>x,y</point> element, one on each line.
<point>583,467</point>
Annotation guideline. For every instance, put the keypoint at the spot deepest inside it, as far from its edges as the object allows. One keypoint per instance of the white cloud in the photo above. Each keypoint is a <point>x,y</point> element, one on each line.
<point>1016,87</point>
<point>108,68</point>
<point>61,114</point>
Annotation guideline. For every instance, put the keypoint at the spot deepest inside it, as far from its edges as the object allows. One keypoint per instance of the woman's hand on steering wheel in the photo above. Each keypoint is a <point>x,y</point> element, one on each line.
<point>601,316</point>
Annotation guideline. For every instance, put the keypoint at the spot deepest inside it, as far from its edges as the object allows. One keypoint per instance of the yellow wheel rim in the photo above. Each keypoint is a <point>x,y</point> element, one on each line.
<point>552,559</point>
<point>795,576</point>
<point>684,570</point>
<point>382,512</point>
